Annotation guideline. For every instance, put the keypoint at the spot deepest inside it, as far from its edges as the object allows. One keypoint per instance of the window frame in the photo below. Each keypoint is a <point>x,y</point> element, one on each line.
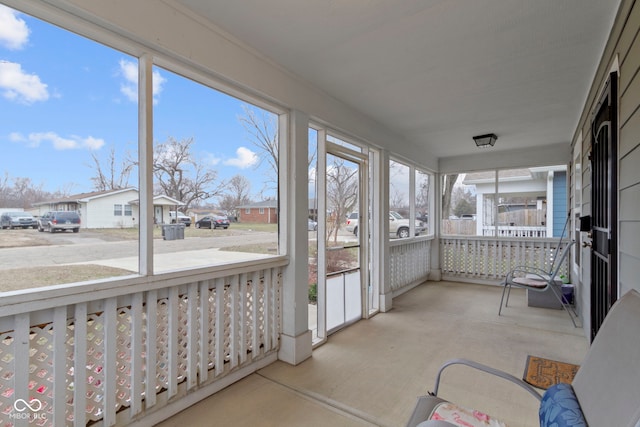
<point>146,57</point>
<point>412,171</point>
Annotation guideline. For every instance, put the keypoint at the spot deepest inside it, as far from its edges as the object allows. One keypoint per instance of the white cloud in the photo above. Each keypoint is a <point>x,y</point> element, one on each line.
<point>245,158</point>
<point>14,33</point>
<point>59,143</point>
<point>93,143</point>
<point>17,85</point>
<point>129,88</point>
<point>212,159</point>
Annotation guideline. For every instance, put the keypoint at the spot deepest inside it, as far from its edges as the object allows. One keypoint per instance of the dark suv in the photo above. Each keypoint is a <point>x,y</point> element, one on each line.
<point>59,220</point>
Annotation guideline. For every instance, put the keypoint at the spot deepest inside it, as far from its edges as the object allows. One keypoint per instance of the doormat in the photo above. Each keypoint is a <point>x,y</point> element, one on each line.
<point>543,373</point>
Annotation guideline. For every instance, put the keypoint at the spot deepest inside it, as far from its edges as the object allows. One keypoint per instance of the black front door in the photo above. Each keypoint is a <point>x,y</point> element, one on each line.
<point>604,214</point>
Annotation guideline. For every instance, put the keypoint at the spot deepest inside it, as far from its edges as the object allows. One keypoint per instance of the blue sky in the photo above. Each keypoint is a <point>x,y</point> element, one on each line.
<point>64,97</point>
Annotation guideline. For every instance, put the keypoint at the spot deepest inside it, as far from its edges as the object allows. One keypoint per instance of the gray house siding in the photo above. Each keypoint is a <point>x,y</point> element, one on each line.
<point>622,52</point>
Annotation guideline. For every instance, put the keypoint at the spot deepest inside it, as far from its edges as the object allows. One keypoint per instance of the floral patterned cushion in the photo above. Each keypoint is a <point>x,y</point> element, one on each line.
<point>560,408</point>
<point>463,417</point>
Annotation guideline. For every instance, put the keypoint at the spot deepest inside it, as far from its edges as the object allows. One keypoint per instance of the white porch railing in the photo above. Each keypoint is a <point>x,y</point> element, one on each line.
<point>409,262</point>
<point>483,259</point>
<point>114,352</point>
<point>515,231</point>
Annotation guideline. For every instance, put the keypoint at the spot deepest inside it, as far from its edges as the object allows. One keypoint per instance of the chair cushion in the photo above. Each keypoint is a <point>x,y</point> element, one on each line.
<point>463,417</point>
<point>560,408</point>
<point>530,282</point>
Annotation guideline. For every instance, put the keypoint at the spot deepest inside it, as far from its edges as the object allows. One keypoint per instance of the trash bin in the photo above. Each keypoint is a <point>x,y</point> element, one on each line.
<point>168,232</point>
<point>179,231</point>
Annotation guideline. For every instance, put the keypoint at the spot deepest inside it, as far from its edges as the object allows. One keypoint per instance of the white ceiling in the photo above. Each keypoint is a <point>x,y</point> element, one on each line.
<point>437,71</point>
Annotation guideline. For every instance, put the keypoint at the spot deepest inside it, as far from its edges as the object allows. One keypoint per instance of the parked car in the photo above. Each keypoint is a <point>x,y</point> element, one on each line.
<point>213,222</point>
<point>17,219</point>
<point>352,223</point>
<point>398,226</point>
<point>313,226</point>
<point>59,220</point>
<point>181,217</point>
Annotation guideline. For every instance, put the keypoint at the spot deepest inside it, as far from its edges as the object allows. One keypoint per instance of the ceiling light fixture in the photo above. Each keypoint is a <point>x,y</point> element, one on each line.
<point>485,140</point>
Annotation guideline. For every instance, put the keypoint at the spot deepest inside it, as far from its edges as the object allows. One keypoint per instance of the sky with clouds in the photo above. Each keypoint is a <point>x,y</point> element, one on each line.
<point>64,97</point>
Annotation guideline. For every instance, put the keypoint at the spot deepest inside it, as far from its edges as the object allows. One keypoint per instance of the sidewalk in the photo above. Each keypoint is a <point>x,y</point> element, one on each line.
<point>179,260</point>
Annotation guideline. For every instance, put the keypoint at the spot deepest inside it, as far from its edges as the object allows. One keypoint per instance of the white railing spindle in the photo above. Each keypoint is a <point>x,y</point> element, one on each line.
<point>151,373</point>
<point>21,346</point>
<point>110,324</point>
<point>136,354</point>
<point>59,365</point>
<point>203,361</point>
<point>80,360</point>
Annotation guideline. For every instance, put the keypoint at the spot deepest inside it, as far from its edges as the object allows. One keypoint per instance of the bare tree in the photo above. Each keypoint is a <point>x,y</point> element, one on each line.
<point>342,194</point>
<point>5,190</point>
<point>396,199</point>
<point>447,189</point>
<point>463,201</point>
<point>179,175</point>
<point>422,192</point>
<point>238,189</point>
<point>112,176</point>
<point>22,192</point>
<point>262,127</point>
<point>399,187</point>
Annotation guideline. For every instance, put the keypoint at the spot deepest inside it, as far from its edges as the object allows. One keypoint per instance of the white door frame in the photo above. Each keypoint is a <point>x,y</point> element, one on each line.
<point>326,147</point>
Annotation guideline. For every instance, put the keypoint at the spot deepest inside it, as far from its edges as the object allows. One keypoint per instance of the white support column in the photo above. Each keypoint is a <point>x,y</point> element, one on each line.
<point>550,208</point>
<point>296,338</point>
<point>480,217</point>
<point>145,165</point>
<point>435,219</point>
<point>380,221</point>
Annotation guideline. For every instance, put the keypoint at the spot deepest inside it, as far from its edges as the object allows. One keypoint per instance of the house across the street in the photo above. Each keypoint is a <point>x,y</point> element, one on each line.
<point>264,212</point>
<point>109,209</point>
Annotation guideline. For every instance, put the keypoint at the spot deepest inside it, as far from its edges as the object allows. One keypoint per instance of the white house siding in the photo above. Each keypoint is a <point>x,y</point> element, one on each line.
<point>623,50</point>
<point>98,212</point>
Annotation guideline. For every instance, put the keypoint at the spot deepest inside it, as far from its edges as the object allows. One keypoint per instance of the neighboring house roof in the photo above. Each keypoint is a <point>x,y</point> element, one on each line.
<point>490,176</point>
<point>97,195</point>
<point>523,174</point>
<point>84,197</point>
<point>161,200</point>
<point>262,204</point>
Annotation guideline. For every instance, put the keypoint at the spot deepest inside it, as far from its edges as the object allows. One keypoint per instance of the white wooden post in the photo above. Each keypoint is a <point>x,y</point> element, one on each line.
<point>295,341</point>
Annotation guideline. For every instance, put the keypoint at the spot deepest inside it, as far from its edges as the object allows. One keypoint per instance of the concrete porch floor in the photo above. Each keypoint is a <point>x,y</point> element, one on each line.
<point>370,373</point>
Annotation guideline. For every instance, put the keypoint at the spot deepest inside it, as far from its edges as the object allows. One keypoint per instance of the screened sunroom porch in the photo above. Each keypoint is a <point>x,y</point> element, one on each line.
<point>180,320</point>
